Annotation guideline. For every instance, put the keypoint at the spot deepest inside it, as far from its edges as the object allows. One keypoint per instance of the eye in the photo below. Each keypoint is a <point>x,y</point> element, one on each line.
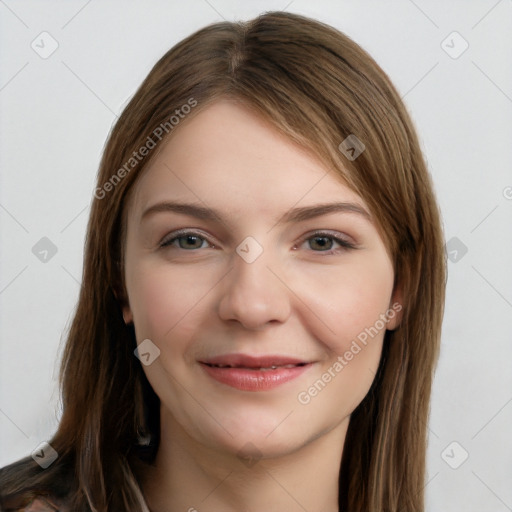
<point>327,242</point>
<point>186,240</point>
<point>323,242</point>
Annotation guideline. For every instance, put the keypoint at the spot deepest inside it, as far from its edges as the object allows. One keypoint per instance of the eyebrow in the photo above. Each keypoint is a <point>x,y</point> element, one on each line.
<point>299,214</point>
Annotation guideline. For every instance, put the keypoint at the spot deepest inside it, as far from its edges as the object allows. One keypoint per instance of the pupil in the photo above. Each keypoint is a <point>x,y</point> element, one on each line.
<point>188,241</point>
<point>322,242</point>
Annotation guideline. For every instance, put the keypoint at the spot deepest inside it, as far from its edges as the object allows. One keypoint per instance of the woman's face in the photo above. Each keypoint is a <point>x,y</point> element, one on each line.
<point>262,281</point>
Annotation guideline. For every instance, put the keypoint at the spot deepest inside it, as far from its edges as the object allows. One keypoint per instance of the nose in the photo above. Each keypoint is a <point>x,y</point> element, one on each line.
<point>255,294</point>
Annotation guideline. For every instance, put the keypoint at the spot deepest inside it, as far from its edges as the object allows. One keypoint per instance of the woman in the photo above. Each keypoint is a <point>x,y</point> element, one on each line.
<point>263,290</point>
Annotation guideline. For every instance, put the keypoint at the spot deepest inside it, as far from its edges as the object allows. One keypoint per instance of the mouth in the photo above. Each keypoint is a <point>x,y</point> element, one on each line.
<point>260,368</point>
<point>254,373</point>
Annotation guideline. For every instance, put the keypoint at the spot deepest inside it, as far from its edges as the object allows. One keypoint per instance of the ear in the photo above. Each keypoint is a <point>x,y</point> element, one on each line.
<point>396,308</point>
<point>125,307</point>
<point>127,315</point>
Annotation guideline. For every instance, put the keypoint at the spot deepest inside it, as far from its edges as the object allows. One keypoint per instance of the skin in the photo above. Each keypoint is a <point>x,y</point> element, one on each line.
<point>304,296</point>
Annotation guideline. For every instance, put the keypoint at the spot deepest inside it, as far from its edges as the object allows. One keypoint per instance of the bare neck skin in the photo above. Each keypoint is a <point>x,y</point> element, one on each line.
<point>190,478</point>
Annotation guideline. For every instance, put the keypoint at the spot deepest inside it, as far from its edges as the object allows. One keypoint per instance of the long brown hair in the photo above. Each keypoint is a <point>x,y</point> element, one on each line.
<point>318,87</point>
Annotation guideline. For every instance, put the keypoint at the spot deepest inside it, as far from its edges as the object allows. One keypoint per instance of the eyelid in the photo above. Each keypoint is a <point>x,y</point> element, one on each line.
<point>334,235</point>
<point>170,237</point>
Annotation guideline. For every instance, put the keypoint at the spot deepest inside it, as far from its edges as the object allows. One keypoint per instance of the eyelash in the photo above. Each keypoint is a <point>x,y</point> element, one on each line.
<point>344,244</point>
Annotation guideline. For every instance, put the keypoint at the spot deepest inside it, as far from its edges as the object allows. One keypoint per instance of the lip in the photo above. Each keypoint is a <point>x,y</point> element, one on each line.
<point>254,373</point>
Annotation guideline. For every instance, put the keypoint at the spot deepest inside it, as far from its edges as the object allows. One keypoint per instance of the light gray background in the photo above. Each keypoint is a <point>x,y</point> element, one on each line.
<point>56,113</point>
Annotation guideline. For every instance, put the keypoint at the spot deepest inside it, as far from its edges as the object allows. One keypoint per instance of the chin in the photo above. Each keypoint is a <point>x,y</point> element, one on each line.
<point>257,435</point>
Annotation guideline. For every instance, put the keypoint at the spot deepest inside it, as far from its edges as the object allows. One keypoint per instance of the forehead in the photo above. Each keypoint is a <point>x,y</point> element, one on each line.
<point>228,157</point>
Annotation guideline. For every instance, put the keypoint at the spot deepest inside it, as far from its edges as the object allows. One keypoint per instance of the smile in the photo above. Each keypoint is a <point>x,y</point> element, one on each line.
<point>273,367</point>
<point>250,373</point>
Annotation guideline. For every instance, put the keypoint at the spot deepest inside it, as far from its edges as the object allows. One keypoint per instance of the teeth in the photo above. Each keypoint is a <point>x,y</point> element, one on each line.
<point>276,367</point>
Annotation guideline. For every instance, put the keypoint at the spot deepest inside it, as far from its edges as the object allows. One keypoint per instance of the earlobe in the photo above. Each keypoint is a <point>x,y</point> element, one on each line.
<point>395,310</point>
<point>127,315</point>
<point>127,312</point>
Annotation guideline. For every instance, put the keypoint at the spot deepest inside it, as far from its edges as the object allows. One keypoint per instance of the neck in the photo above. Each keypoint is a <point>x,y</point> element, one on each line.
<point>190,477</point>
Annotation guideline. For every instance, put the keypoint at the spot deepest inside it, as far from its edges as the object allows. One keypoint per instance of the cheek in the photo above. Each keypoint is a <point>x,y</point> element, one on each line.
<point>350,302</point>
<point>353,303</point>
<point>351,307</point>
<point>165,304</point>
